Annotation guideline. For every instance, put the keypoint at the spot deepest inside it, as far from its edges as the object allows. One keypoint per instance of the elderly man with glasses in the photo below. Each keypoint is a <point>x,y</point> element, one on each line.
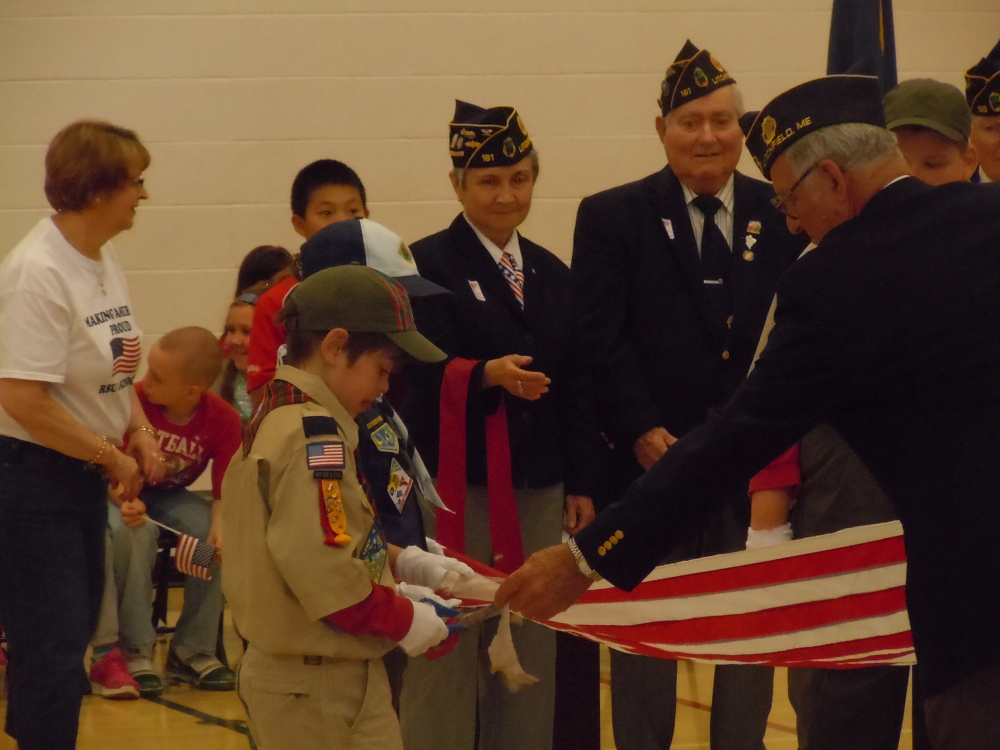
<point>887,330</point>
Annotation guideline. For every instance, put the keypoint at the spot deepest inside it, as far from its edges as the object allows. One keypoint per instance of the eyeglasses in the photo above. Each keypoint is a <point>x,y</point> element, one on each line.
<point>779,201</point>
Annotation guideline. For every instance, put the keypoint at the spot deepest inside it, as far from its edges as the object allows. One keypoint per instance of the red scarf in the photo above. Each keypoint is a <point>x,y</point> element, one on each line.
<point>505,529</point>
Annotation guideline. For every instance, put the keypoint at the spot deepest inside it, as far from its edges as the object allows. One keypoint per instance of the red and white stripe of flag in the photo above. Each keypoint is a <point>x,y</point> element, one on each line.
<point>834,601</point>
<point>828,601</point>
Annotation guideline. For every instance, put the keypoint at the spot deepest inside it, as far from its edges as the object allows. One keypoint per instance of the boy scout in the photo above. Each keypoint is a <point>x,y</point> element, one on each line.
<point>310,589</point>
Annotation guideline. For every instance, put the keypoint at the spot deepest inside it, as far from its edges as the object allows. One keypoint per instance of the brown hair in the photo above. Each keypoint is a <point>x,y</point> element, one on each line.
<point>89,159</point>
<point>300,345</point>
<point>198,351</point>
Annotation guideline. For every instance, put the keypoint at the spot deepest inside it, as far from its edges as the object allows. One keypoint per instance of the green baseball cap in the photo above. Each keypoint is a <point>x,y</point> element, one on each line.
<point>929,104</point>
<point>358,299</point>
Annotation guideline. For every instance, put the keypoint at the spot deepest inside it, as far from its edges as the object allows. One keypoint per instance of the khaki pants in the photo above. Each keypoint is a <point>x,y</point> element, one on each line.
<point>336,703</point>
<point>440,698</point>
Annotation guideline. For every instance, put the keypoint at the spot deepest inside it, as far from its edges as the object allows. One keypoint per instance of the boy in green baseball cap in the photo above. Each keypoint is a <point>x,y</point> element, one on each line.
<point>932,125</point>
<point>308,567</point>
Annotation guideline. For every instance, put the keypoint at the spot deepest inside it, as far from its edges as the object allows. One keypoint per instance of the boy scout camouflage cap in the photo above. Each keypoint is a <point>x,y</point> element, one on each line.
<point>358,299</point>
<point>479,137</point>
<point>811,106</point>
<point>982,85</point>
<point>694,74</point>
<point>929,104</point>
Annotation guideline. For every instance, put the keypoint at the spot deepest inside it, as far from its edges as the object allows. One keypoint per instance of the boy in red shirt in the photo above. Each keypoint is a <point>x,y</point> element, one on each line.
<point>324,192</point>
<point>194,427</point>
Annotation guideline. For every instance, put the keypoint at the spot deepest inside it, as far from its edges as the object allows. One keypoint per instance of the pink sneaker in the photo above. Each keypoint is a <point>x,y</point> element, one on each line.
<point>110,678</point>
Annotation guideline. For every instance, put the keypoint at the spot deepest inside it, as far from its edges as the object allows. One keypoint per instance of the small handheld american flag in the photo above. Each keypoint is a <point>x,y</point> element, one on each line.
<point>193,557</point>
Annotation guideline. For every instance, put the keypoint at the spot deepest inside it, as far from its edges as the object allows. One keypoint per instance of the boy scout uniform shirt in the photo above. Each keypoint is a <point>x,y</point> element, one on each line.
<point>281,578</point>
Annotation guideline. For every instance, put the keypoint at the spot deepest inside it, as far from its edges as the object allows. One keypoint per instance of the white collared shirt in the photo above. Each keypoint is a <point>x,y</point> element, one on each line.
<point>513,246</point>
<point>723,217</point>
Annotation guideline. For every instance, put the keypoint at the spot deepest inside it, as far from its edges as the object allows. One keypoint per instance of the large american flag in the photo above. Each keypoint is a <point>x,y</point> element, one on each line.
<point>833,601</point>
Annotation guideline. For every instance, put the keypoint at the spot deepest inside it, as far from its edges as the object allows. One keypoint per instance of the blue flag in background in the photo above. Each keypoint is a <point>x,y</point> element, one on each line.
<point>862,40</point>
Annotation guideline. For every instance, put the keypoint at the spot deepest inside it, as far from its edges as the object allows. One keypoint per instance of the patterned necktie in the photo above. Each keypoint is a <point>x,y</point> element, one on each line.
<point>716,261</point>
<point>513,275</point>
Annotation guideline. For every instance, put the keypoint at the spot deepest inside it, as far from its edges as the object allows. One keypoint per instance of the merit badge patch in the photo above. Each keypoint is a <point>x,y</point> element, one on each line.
<point>332,517</point>
<point>374,552</point>
<point>385,439</point>
<point>326,454</point>
<point>400,484</point>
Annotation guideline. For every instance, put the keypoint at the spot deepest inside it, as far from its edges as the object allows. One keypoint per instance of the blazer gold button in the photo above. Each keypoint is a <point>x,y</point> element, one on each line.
<point>619,535</point>
<point>601,551</point>
<point>725,354</point>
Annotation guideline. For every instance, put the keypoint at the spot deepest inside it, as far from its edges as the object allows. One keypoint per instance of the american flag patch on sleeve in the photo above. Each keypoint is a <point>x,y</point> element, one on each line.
<point>327,454</point>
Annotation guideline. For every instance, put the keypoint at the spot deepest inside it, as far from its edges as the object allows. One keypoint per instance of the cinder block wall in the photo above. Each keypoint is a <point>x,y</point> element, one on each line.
<point>232,97</point>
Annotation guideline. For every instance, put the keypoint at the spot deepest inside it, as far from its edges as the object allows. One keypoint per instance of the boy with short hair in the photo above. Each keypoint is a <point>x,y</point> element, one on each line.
<point>308,582</point>
<point>193,426</point>
<point>932,125</point>
<point>323,192</point>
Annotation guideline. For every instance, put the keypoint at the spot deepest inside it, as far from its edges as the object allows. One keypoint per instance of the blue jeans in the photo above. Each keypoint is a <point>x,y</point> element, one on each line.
<point>134,557</point>
<point>52,520</point>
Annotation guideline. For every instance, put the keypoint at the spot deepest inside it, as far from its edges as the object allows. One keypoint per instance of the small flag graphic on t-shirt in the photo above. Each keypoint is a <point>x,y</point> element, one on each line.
<point>126,353</point>
<point>193,557</point>
<point>328,454</point>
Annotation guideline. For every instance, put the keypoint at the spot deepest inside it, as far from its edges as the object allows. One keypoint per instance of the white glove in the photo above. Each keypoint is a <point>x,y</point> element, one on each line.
<point>414,565</point>
<point>434,546</point>
<point>769,537</point>
<point>426,630</point>
<point>416,593</point>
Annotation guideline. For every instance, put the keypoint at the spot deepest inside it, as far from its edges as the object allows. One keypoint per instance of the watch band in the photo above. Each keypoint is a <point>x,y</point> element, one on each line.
<point>581,562</point>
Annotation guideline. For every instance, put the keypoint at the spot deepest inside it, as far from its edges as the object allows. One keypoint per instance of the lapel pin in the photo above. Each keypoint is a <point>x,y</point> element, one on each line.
<point>669,226</point>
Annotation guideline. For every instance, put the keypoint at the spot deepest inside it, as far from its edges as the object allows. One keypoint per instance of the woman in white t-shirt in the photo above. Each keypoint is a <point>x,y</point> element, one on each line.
<point>69,349</point>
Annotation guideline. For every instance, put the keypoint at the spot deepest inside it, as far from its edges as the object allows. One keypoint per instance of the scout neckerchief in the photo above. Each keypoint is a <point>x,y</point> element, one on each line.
<point>505,530</point>
<point>276,393</point>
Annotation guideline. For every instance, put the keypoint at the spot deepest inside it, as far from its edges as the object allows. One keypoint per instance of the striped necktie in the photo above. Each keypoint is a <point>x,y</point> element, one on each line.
<point>514,276</point>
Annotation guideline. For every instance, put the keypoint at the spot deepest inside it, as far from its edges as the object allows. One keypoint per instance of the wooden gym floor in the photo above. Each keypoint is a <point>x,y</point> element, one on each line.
<point>199,720</point>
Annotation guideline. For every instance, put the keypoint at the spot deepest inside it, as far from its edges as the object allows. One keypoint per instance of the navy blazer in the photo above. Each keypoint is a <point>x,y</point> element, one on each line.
<point>888,331</point>
<point>550,438</point>
<point>642,312</point>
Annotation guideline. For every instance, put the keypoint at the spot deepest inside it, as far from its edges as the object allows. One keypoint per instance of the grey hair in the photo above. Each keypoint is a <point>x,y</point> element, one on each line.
<point>852,145</point>
<point>737,102</point>
<point>459,172</point>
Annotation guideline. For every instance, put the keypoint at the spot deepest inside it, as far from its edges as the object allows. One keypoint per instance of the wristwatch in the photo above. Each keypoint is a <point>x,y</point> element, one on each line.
<point>581,562</point>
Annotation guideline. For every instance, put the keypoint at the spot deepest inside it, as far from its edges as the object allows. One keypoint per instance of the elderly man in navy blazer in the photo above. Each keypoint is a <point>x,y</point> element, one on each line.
<point>886,330</point>
<point>673,277</point>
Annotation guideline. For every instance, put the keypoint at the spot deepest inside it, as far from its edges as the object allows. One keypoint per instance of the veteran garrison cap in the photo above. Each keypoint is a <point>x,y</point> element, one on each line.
<point>694,74</point>
<point>367,243</point>
<point>929,104</point>
<point>808,107</point>
<point>982,85</point>
<point>494,137</point>
<point>358,299</point>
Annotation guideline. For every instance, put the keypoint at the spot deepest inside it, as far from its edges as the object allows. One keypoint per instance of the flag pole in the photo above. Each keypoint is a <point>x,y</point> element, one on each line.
<point>161,525</point>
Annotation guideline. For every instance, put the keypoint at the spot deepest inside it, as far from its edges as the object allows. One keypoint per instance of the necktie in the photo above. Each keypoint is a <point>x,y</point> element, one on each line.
<point>514,276</point>
<point>716,261</point>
